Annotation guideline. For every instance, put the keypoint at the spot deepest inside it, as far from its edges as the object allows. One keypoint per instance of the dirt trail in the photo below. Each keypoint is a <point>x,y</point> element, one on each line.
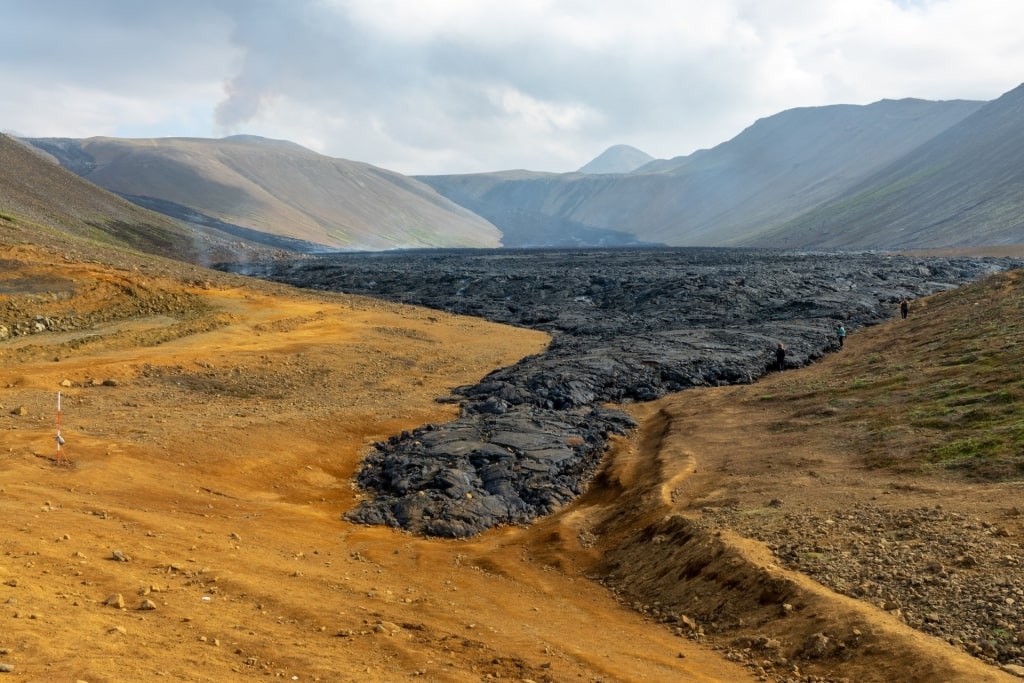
<point>667,560</point>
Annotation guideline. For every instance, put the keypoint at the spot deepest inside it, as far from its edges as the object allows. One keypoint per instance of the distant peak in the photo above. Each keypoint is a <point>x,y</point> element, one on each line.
<point>618,159</point>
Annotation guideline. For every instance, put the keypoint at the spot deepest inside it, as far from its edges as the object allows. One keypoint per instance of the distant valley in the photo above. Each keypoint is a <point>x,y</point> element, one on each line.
<point>805,178</point>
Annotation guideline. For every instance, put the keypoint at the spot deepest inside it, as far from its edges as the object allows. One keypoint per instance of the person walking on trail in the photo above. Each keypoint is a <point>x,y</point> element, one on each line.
<point>841,333</point>
<point>780,356</point>
<point>904,307</point>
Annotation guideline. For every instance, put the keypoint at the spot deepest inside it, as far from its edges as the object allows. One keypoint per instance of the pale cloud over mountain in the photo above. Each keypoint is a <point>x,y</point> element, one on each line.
<point>452,86</point>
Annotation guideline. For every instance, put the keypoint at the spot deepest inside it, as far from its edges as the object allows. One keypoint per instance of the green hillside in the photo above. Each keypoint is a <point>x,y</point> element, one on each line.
<point>941,391</point>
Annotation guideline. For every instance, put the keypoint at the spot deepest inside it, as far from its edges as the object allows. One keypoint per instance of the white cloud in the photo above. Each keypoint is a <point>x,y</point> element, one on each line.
<point>476,85</point>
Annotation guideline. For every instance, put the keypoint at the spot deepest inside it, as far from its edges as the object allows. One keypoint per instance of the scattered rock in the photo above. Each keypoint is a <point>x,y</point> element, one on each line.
<point>941,572</point>
<point>386,627</point>
<point>816,646</point>
<point>114,600</point>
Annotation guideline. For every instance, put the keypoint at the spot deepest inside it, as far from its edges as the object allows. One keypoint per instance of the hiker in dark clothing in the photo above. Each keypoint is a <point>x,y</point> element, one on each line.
<point>904,307</point>
<point>780,356</point>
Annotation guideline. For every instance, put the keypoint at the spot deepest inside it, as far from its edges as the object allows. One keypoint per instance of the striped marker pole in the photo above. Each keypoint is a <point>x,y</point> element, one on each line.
<point>60,439</point>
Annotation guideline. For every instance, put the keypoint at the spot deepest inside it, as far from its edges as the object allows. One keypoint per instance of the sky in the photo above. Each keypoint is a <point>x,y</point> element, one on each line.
<point>469,86</point>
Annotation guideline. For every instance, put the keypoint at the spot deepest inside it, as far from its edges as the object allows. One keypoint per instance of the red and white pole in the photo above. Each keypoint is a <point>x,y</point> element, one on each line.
<point>60,439</point>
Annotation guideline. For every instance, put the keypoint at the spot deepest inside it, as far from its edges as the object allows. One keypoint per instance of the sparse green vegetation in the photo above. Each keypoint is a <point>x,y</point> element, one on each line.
<point>812,556</point>
<point>915,400</point>
<point>958,452</point>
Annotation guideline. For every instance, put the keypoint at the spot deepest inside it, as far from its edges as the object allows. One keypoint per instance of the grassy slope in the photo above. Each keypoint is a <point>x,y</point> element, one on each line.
<point>40,202</point>
<point>939,392</point>
<point>46,205</point>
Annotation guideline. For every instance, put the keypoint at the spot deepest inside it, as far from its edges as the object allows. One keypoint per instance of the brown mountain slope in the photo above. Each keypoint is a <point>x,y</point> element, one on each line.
<point>275,187</point>
<point>45,205</point>
<point>41,202</point>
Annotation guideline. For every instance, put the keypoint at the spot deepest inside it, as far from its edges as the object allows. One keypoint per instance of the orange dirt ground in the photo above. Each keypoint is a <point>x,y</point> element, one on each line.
<point>212,436</point>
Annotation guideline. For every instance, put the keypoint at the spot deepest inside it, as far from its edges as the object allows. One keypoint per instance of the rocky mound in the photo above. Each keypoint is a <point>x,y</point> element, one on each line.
<point>627,325</point>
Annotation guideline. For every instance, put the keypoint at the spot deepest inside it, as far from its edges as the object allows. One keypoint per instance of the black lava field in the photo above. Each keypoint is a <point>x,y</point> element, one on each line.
<point>626,325</point>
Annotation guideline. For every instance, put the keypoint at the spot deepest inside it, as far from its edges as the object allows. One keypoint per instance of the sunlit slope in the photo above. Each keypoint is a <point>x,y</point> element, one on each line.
<point>277,188</point>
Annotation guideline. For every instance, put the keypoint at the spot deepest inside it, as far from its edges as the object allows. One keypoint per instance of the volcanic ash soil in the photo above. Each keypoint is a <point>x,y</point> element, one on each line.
<point>215,426</point>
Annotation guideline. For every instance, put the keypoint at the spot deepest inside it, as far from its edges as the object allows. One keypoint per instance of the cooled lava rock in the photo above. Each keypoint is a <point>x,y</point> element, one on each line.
<point>626,325</point>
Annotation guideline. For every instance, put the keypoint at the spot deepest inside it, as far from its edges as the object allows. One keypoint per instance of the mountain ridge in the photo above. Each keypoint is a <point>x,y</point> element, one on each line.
<point>961,188</point>
<point>275,187</point>
<point>42,203</point>
<point>898,173</point>
<point>773,171</point>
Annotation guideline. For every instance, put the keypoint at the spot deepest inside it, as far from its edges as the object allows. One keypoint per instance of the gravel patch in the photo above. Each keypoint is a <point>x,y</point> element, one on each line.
<point>944,573</point>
